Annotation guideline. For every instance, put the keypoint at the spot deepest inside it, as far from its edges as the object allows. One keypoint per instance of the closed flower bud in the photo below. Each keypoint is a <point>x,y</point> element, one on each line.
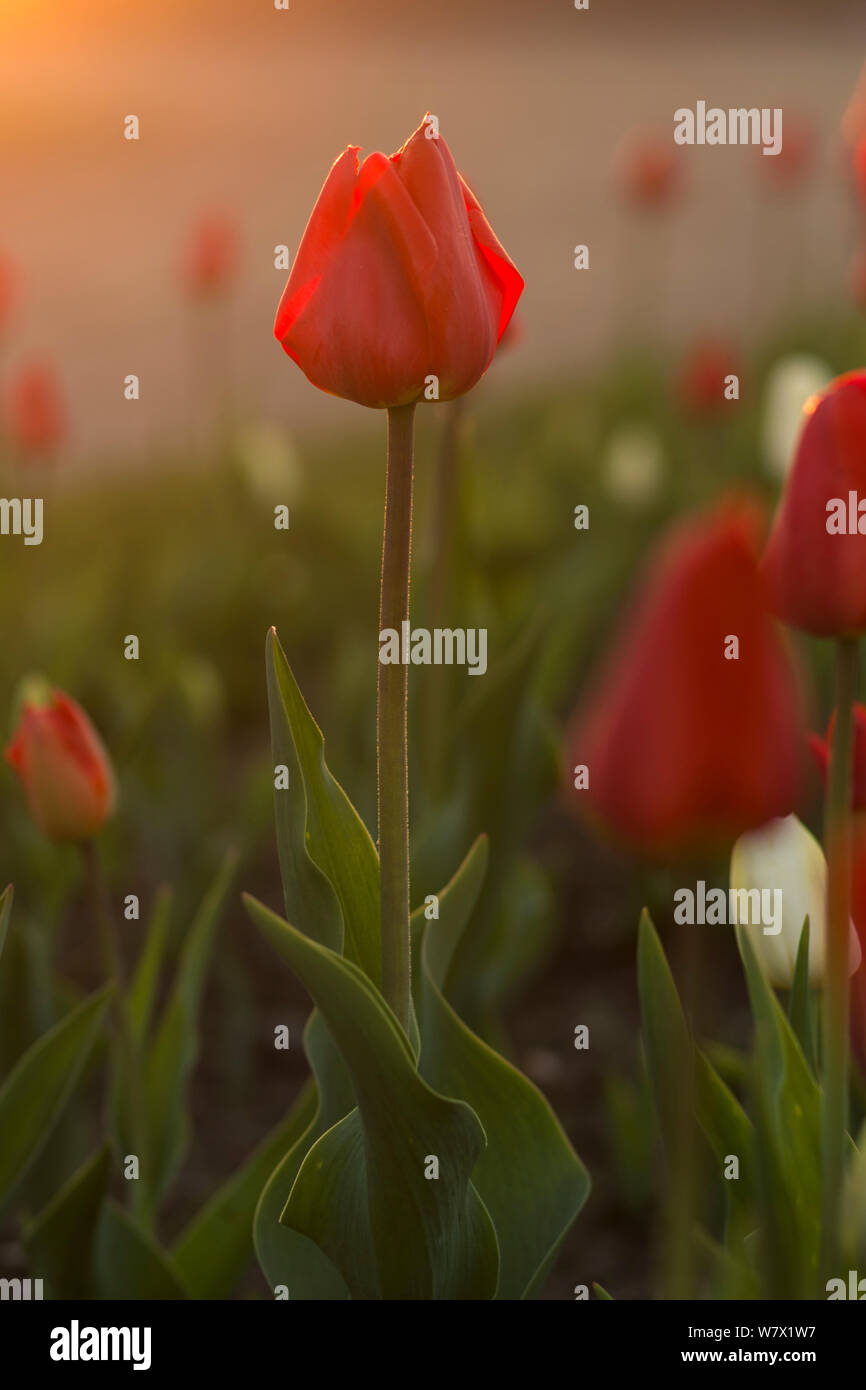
<point>694,732</point>
<point>815,562</point>
<point>785,863</point>
<point>64,769</point>
<point>398,279</point>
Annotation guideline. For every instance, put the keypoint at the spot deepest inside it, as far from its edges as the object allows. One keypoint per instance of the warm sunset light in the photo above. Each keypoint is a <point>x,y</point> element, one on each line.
<point>497,373</point>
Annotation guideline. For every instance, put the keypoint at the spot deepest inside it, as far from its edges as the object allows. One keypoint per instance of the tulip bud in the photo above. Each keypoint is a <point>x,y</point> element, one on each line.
<point>64,769</point>
<point>784,855</point>
<point>400,288</point>
<point>693,733</point>
<point>815,561</point>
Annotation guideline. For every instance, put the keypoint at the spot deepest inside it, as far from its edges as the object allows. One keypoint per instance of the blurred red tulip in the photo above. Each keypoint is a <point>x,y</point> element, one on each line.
<point>398,277</point>
<point>648,171</point>
<point>854,119</point>
<point>700,385</point>
<point>795,160</point>
<point>858,166</point>
<point>211,261</point>
<point>7,292</point>
<point>686,745</point>
<point>36,415</point>
<point>815,562</point>
<point>64,769</point>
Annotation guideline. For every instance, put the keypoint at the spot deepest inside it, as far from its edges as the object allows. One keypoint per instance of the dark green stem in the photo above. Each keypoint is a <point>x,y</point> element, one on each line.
<point>391,723</point>
<point>129,1074</point>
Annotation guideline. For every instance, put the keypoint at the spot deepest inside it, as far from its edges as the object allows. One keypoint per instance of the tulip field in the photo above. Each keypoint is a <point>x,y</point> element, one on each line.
<point>435,837</point>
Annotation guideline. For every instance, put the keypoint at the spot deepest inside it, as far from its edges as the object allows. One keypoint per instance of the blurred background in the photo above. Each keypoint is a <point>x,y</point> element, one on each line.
<point>156,258</point>
<point>244,108</point>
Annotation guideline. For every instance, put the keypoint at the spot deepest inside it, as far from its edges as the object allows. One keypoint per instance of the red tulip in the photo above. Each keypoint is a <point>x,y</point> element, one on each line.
<point>36,416</point>
<point>648,171</point>
<point>815,563</point>
<point>398,278</point>
<point>700,386</point>
<point>211,261</point>
<point>64,769</point>
<point>685,746</point>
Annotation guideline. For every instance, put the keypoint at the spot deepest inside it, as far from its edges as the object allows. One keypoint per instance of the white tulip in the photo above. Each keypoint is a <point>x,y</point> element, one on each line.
<point>783,855</point>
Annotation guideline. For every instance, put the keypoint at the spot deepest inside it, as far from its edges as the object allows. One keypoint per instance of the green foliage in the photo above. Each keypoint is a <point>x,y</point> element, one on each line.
<point>430,1171</point>
<point>35,1093</point>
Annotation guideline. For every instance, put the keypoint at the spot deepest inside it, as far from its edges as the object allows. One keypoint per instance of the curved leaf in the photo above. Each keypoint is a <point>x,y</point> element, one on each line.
<point>329,864</point>
<point>34,1094</point>
<point>430,1239</point>
<point>529,1177</point>
<point>60,1242</point>
<point>174,1051</point>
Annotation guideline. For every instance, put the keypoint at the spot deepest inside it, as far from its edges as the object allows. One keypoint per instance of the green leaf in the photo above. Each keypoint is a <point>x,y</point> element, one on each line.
<point>329,864</point>
<point>5,912</point>
<point>424,1239</point>
<point>528,1176</point>
<point>39,1086</point>
<point>799,1011</point>
<point>788,1147</point>
<point>215,1249</point>
<point>854,1204</point>
<point>666,1037</point>
<point>601,1293</point>
<point>674,1063</point>
<point>60,1242</point>
<point>286,1257</point>
<point>174,1052</point>
<point>142,991</point>
<point>129,1262</point>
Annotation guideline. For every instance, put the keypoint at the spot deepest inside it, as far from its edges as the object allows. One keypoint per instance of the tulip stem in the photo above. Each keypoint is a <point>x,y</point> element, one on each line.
<point>127,1051</point>
<point>391,722</point>
<point>837,847</point>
